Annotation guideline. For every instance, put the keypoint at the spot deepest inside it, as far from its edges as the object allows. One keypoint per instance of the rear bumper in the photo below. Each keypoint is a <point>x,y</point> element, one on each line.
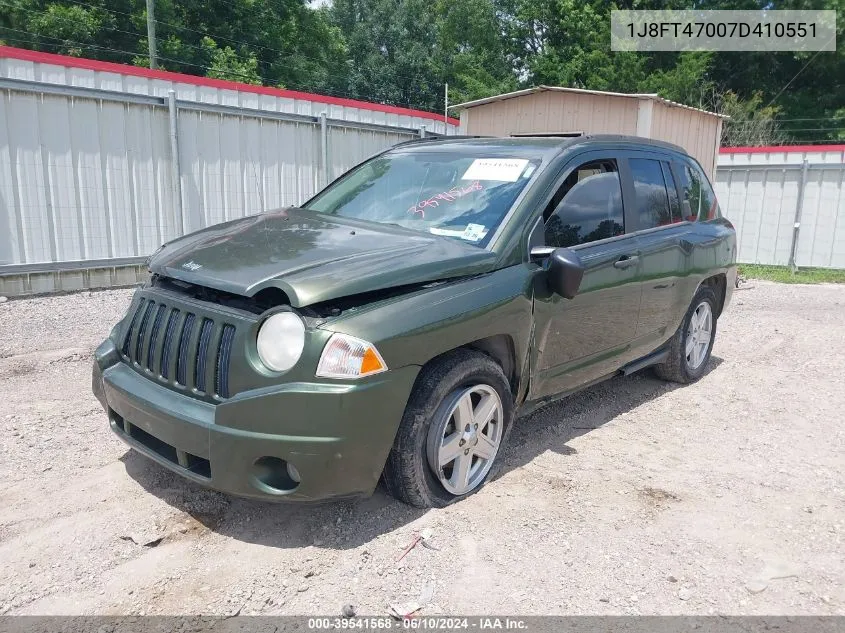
<point>218,445</point>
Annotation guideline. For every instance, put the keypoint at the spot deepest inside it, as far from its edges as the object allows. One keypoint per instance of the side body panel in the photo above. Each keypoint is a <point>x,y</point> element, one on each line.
<point>666,259</point>
<point>675,258</point>
<point>664,255</point>
<point>582,339</point>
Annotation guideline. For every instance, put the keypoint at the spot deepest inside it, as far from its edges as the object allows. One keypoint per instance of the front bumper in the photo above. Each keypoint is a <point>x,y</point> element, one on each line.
<point>242,445</point>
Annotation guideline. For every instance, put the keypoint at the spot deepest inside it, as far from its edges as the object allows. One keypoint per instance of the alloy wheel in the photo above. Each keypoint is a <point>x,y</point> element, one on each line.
<point>699,334</point>
<point>463,442</point>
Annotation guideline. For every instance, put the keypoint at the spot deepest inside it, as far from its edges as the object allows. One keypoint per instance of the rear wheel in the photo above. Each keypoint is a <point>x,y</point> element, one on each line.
<point>690,347</point>
<point>456,422</point>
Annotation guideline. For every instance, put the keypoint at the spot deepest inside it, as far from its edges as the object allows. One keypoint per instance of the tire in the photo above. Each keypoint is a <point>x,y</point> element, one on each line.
<point>441,387</point>
<point>680,366</point>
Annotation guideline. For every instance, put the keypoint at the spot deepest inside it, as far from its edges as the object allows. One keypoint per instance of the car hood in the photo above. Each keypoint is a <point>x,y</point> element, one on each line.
<point>314,257</point>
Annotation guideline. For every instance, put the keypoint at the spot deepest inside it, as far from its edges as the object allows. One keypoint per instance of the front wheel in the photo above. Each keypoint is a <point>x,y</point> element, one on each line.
<point>690,347</point>
<point>456,422</point>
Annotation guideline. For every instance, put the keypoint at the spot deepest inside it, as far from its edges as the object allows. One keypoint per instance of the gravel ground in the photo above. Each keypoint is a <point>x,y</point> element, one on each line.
<point>634,497</point>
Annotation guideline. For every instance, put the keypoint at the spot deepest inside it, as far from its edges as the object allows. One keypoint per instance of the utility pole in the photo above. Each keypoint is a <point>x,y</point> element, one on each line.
<point>151,32</point>
<point>446,109</point>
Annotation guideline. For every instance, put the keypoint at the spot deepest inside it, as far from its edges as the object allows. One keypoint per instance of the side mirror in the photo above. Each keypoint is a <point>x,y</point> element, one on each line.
<point>564,270</point>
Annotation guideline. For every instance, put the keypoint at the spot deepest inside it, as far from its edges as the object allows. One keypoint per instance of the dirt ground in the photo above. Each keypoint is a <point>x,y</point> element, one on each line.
<point>634,497</point>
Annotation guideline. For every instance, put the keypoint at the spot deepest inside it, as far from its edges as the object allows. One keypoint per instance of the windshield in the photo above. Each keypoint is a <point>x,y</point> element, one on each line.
<point>460,196</point>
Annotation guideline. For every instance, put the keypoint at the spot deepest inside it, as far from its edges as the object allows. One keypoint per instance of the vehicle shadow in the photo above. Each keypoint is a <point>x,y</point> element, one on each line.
<point>349,524</point>
<point>553,426</point>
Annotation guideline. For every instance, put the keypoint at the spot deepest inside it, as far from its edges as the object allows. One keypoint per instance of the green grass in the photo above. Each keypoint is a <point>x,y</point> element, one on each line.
<point>784,275</point>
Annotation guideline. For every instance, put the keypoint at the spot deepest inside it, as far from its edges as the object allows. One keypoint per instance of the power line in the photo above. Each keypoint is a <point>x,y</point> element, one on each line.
<point>811,129</point>
<point>817,139</point>
<point>803,68</point>
<point>827,118</point>
<point>797,142</point>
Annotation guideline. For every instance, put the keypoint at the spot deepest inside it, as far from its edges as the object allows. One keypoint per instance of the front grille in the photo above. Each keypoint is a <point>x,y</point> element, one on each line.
<point>177,347</point>
<point>168,343</point>
<point>154,335</point>
<point>221,366</point>
<point>184,342</point>
<point>202,353</point>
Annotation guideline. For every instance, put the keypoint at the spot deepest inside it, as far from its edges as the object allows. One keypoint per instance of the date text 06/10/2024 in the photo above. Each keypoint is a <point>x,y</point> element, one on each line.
<point>424,623</point>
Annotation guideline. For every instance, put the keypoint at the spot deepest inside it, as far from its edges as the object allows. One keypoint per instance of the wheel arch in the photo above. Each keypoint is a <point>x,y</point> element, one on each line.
<point>719,284</point>
<point>502,350</point>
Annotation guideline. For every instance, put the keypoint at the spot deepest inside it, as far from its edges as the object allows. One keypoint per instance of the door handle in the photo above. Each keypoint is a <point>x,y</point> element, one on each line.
<point>626,261</point>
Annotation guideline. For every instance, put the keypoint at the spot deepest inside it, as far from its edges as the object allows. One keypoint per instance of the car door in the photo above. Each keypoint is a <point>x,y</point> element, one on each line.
<point>661,232</point>
<point>582,339</point>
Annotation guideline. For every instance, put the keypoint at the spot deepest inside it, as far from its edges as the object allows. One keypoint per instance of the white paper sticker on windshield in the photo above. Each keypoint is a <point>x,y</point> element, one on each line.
<point>447,232</point>
<point>501,169</point>
<point>474,232</point>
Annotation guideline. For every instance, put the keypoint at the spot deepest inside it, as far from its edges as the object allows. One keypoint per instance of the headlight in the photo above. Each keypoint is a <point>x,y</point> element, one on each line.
<point>349,357</point>
<point>280,341</point>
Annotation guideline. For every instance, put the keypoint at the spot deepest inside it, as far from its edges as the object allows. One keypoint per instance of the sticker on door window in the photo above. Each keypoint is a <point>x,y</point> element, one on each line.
<point>500,169</point>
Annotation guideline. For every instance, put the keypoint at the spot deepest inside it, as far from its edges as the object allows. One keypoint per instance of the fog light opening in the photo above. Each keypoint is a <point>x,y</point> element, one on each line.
<point>275,475</point>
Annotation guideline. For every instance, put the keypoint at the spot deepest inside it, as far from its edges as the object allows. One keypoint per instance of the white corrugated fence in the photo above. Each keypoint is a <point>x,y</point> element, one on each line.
<point>89,187</point>
<point>87,176</point>
<point>787,203</point>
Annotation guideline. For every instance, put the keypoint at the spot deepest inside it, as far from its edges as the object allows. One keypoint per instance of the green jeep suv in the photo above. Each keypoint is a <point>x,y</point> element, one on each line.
<point>393,326</point>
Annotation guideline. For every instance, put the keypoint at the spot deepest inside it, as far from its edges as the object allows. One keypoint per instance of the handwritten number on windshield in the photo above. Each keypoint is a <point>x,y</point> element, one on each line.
<point>444,196</point>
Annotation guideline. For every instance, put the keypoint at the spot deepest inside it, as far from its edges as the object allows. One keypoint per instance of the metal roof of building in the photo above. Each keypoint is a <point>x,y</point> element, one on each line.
<point>528,91</point>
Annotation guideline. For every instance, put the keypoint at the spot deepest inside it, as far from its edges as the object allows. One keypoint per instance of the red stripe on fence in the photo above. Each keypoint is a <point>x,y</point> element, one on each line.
<point>166,75</point>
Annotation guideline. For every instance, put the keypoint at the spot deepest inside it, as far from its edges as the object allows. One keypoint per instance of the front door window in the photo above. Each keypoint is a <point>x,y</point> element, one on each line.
<point>587,207</point>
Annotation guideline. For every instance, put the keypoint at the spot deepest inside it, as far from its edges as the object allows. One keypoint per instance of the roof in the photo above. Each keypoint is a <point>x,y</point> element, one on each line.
<point>12,52</point>
<point>528,91</point>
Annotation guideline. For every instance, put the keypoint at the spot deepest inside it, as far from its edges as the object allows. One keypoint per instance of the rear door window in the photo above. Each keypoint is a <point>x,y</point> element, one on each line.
<point>652,198</point>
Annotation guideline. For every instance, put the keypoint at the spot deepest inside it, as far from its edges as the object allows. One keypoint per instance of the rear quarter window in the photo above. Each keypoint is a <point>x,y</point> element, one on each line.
<point>699,201</point>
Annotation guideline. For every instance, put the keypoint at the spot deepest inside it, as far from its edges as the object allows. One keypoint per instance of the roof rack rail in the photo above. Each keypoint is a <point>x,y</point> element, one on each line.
<point>549,134</point>
<point>439,137</point>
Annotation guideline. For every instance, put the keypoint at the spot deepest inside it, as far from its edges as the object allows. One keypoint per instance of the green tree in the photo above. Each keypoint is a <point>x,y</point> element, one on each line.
<point>227,64</point>
<point>69,26</point>
<point>471,38</point>
<point>64,28</point>
<point>751,122</point>
<point>403,52</point>
<point>291,43</point>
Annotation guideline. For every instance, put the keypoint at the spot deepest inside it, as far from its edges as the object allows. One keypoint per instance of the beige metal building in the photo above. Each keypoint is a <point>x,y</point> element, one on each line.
<point>553,110</point>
